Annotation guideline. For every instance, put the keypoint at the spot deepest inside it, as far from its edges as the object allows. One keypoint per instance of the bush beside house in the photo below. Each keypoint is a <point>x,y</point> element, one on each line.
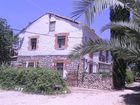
<point>129,77</point>
<point>32,80</point>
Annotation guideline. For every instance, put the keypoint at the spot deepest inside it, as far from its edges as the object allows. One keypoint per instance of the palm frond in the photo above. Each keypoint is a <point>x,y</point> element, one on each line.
<point>131,28</point>
<point>90,8</point>
<point>88,47</point>
<point>129,53</point>
<point>93,46</point>
<point>137,9</point>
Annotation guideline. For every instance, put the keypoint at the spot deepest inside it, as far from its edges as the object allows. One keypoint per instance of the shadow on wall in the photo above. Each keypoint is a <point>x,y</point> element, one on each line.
<point>134,98</point>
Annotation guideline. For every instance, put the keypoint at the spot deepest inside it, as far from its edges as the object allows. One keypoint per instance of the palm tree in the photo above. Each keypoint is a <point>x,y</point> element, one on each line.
<point>90,8</point>
<point>118,13</point>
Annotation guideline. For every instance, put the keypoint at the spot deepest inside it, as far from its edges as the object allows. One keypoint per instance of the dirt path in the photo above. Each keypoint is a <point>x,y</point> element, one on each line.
<point>78,96</point>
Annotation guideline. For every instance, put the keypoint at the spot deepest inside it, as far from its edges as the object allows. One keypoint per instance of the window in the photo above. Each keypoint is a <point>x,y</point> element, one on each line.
<point>61,41</point>
<point>59,67</point>
<point>104,67</point>
<point>90,68</point>
<point>104,56</point>
<point>33,43</point>
<point>52,26</point>
<point>91,55</point>
<point>107,56</point>
<point>101,57</point>
<point>31,64</point>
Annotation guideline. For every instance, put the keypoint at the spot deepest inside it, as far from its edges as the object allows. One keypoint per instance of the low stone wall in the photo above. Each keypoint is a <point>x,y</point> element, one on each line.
<point>48,61</point>
<point>95,81</point>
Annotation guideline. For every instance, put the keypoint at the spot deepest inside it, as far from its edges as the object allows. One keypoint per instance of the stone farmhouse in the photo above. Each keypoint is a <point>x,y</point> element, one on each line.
<point>47,42</point>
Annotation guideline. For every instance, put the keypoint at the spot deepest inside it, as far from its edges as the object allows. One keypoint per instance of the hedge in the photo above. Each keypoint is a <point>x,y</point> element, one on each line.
<point>129,77</point>
<point>32,80</point>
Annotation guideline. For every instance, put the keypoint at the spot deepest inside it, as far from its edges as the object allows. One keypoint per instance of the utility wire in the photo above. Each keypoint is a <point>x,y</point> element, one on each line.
<point>42,33</point>
<point>34,4</point>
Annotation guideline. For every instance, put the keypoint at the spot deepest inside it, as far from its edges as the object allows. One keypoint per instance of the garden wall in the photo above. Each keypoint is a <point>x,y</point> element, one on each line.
<point>93,81</point>
<point>99,81</point>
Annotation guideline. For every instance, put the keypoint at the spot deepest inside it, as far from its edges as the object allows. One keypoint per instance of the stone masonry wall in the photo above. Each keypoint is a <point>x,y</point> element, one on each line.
<point>95,81</point>
<point>48,61</point>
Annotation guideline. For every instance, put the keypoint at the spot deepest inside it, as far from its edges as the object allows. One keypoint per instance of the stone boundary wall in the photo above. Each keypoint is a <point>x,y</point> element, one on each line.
<point>95,81</point>
<point>92,81</point>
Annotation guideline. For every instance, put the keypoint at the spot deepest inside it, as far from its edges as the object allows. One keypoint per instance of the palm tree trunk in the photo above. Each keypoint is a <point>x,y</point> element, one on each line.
<point>119,73</point>
<point>119,65</point>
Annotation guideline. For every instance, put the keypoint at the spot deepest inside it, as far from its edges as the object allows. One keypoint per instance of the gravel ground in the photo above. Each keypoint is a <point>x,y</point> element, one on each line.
<point>78,96</point>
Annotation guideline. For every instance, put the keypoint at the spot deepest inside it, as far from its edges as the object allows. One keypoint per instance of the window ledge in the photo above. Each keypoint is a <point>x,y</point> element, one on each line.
<point>60,48</point>
<point>51,31</point>
<point>33,50</point>
<point>105,63</point>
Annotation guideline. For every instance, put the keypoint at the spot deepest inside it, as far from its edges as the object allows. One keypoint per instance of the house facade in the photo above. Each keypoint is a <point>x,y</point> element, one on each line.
<point>47,42</point>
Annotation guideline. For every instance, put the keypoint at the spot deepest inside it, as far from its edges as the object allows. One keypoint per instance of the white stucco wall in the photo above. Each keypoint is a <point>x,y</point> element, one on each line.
<point>47,40</point>
<point>95,61</point>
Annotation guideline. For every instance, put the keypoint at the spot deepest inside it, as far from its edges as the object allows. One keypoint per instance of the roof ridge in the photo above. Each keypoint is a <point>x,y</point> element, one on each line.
<point>69,19</point>
<point>30,23</point>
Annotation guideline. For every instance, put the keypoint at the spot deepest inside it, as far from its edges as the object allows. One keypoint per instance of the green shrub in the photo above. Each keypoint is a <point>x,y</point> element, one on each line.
<point>31,80</point>
<point>129,76</point>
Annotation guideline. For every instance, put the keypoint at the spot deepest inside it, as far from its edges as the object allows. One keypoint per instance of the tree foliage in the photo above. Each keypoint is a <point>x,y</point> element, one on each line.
<point>118,13</point>
<point>6,41</point>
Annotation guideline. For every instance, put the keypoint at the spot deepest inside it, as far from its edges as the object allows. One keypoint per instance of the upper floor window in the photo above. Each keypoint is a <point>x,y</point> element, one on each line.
<point>52,26</point>
<point>33,43</point>
<point>61,41</point>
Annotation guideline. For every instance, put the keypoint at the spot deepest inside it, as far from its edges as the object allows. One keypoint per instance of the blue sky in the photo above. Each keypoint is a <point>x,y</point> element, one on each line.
<point>20,12</point>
